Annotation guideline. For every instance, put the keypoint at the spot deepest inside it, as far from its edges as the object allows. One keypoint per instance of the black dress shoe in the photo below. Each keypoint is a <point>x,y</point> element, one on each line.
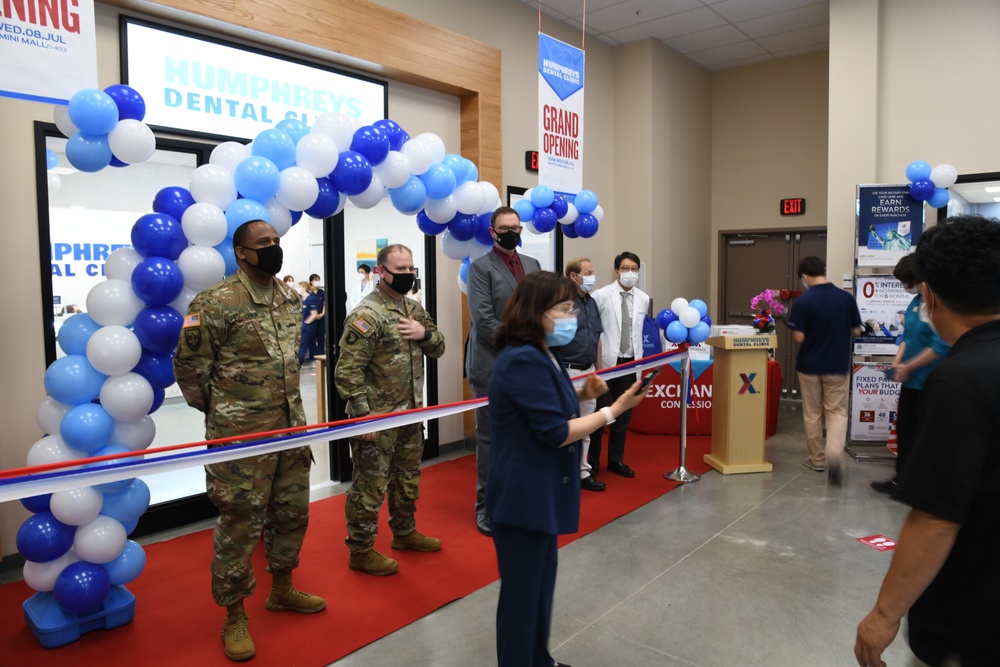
<point>588,483</point>
<point>484,525</point>
<point>884,487</point>
<point>619,468</point>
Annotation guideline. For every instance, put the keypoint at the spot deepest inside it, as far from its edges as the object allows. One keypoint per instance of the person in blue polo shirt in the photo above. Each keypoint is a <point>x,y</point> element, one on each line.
<point>824,321</point>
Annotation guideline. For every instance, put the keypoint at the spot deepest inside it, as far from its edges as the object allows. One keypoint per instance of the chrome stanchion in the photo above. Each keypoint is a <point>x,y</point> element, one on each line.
<point>682,474</point>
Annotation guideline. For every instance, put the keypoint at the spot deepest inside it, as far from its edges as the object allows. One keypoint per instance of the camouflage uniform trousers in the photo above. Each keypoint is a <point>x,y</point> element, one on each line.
<point>259,496</point>
<point>387,467</point>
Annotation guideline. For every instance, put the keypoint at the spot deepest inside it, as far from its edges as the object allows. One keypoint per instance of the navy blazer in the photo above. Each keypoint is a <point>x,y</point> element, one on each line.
<point>533,483</point>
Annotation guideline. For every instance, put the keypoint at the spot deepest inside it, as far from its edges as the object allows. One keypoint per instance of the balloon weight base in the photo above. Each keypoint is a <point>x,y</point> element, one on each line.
<point>53,627</point>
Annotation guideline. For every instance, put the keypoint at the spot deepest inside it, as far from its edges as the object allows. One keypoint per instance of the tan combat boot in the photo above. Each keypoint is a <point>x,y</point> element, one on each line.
<point>415,541</point>
<point>372,562</point>
<point>236,633</point>
<point>284,596</point>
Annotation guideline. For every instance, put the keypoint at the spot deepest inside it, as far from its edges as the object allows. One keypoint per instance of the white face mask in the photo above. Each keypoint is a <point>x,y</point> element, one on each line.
<point>911,290</point>
<point>588,283</point>
<point>628,278</point>
<point>805,285</point>
<point>925,316</point>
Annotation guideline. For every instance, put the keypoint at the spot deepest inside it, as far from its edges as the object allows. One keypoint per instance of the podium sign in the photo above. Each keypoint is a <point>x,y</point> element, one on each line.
<point>739,412</point>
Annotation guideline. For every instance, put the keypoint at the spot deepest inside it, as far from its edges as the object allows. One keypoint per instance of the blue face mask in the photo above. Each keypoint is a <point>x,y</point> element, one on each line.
<point>564,330</point>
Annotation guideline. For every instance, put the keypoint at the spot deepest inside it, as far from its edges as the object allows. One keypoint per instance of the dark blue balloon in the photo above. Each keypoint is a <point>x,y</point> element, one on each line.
<point>158,235</point>
<point>707,320</point>
<point>922,190</point>
<point>129,102</point>
<point>353,173</point>
<point>43,538</point>
<point>393,131</point>
<point>327,202</point>
<point>371,142</point>
<point>81,587</point>
<point>569,231</point>
<point>585,225</point>
<point>560,206</point>
<point>428,226</point>
<point>296,216</point>
<point>545,220</point>
<point>37,504</point>
<point>158,369</point>
<point>118,164</point>
<point>463,227</point>
<point>483,233</point>
<point>158,329</point>
<point>158,396</point>
<point>173,201</point>
<point>665,317</point>
<point>157,281</point>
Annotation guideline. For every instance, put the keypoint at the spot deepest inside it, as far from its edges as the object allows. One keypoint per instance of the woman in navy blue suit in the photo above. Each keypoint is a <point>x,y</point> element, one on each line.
<point>533,488</point>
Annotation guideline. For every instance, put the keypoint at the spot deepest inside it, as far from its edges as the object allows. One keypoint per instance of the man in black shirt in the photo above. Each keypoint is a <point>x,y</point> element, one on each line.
<point>944,569</point>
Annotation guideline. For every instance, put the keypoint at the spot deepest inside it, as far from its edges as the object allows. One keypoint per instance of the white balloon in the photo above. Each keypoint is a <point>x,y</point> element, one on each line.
<point>298,190</point>
<point>490,196</point>
<point>54,182</point>
<point>100,541</point>
<point>50,413</point>
<point>435,143</point>
<point>184,299</point>
<point>113,302</point>
<point>371,197</point>
<point>50,449</point>
<point>944,176</point>
<point>679,305</point>
<point>571,214</point>
<point>281,217</point>
<point>113,350</point>
<point>120,264</point>
<point>342,204</point>
<point>455,249</point>
<point>317,153</point>
<point>214,184</point>
<point>527,194</point>
<point>441,211</point>
<point>394,170</point>
<point>228,154</point>
<point>76,507</point>
<point>689,317</point>
<point>134,435</point>
<point>479,251</point>
<point>126,397</point>
<point>132,141</point>
<point>42,577</point>
<point>202,267</point>
<point>598,213</point>
<point>60,115</point>
<point>204,224</point>
<point>419,155</point>
<point>336,126</point>
<point>470,197</point>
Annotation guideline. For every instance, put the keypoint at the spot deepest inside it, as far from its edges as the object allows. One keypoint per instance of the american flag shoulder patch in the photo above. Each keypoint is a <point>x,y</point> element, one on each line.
<point>361,326</point>
<point>192,320</point>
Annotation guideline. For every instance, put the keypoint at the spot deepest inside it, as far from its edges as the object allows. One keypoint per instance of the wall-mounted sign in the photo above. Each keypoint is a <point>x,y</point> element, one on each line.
<point>793,206</point>
<point>889,224</point>
<point>207,86</point>
<point>531,161</point>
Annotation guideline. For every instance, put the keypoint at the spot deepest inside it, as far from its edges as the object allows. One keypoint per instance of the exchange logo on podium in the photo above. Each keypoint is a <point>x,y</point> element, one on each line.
<point>747,383</point>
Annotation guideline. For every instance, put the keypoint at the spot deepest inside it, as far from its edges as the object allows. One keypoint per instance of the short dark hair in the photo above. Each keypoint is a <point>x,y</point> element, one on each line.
<point>242,234</point>
<point>384,253</point>
<point>627,255</point>
<point>503,210</point>
<point>574,265</point>
<point>313,277</point>
<point>537,292</point>
<point>812,266</point>
<point>959,259</point>
<point>906,271</point>
<point>365,268</point>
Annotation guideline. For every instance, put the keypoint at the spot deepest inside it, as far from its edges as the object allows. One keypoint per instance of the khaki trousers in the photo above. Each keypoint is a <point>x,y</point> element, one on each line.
<point>824,396</point>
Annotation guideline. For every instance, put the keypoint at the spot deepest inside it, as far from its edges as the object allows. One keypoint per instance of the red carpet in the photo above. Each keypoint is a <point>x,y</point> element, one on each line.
<point>176,621</point>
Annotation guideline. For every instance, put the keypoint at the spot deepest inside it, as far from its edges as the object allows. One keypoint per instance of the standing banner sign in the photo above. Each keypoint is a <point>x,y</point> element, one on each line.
<point>560,115</point>
<point>889,224</point>
<point>882,302</point>
<point>50,49</point>
<point>874,398</point>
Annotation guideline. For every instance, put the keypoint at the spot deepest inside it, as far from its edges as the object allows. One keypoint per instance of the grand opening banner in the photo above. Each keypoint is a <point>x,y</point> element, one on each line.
<point>560,115</point>
<point>49,49</point>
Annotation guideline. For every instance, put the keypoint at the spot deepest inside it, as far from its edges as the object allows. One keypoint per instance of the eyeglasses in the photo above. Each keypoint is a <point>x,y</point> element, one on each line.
<point>504,230</point>
<point>572,311</point>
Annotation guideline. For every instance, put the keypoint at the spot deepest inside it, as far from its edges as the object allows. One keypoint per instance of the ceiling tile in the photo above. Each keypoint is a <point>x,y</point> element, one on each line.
<point>740,62</point>
<point>744,10</point>
<point>573,8</point>
<point>723,54</point>
<point>635,12</point>
<point>706,39</point>
<point>695,20</point>
<point>806,17</point>
<point>796,39</point>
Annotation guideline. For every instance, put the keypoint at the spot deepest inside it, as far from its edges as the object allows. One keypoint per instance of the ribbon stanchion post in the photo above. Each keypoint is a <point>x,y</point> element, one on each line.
<point>681,473</point>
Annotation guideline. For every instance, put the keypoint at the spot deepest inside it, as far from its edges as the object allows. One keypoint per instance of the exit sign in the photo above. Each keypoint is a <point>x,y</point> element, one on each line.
<point>793,206</point>
<point>531,160</point>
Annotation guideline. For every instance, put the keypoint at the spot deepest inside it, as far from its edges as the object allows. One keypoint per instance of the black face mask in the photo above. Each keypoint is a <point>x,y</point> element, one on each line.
<point>509,240</point>
<point>269,258</point>
<point>401,283</point>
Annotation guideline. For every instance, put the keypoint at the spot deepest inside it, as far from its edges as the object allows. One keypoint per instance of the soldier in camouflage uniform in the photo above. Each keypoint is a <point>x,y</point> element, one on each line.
<point>380,370</point>
<point>237,362</point>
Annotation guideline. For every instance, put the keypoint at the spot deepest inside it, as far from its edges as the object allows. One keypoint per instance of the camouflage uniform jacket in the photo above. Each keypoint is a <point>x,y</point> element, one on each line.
<point>237,360</point>
<point>378,371</point>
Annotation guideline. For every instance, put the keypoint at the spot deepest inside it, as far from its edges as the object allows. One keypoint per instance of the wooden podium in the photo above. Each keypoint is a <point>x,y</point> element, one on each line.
<point>739,403</point>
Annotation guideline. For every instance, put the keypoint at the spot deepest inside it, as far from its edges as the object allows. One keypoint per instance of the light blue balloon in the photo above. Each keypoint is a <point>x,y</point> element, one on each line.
<point>585,201</point>
<point>75,332</point>
<point>458,165</point>
<point>245,210</point>
<point>275,145</point>
<point>542,196</point>
<point>257,177</point>
<point>439,181</point>
<point>226,250</point>
<point>699,333</point>
<point>409,197</point>
<point>918,170</point>
<point>940,198</point>
<point>93,111</point>
<point>72,380</point>
<point>129,504</point>
<point>111,487</point>
<point>473,175</point>
<point>129,564</point>
<point>525,210</point>
<point>700,306</point>
<point>463,270</point>
<point>86,427</point>
<point>51,159</point>
<point>676,332</point>
<point>88,152</point>
<point>293,127</point>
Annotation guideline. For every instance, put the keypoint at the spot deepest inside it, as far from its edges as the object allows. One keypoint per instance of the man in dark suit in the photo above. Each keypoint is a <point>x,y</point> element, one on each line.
<point>492,279</point>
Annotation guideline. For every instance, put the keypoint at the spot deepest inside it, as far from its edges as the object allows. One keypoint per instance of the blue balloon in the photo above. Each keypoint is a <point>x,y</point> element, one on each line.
<point>707,320</point>
<point>463,270</point>
<point>940,198</point>
<point>37,504</point>
<point>159,395</point>
<point>127,504</point>
<point>463,227</point>
<point>922,189</point>
<point>93,111</point>
<point>353,174</point>
<point>257,177</point>
<point>545,220</point>
<point>72,380</point>
<point>371,142</point>
<point>585,201</point>
<point>245,210</point>
<point>127,566</point>
<point>158,328</point>
<point>158,235</point>
<point>86,427</point>
<point>81,587</point>
<point>458,165</point>
<point>157,281</point>
<point>130,526</point>
<point>676,332</point>
<point>483,233</point>
<point>699,333</point>
<point>327,202</point>
<point>428,226</point>
<point>700,306</point>
<point>118,164</point>
<point>665,317</point>
<point>226,250</point>
<point>293,127</point>
<point>473,171</point>
<point>88,152</point>
<point>158,369</point>
<point>120,485</point>
<point>42,538</point>
<point>393,131</point>
<point>439,181</point>
<point>409,197</point>
<point>276,147</point>
<point>51,159</point>
<point>569,231</point>
<point>75,332</point>
<point>542,196</point>
<point>296,216</point>
<point>560,206</point>
<point>130,104</point>
<point>525,210</point>
<point>173,201</point>
<point>586,225</point>
<point>918,170</point>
